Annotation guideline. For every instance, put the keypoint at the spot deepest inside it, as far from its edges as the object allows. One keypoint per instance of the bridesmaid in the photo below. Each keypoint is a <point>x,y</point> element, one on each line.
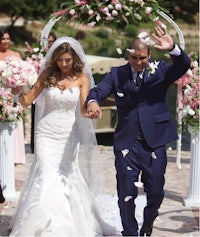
<point>19,146</point>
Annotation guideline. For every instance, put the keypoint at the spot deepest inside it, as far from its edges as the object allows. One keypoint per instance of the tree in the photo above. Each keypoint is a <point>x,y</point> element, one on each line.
<point>37,9</point>
<point>185,10</point>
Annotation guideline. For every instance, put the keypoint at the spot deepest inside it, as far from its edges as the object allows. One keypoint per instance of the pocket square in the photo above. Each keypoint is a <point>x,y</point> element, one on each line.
<point>120,94</point>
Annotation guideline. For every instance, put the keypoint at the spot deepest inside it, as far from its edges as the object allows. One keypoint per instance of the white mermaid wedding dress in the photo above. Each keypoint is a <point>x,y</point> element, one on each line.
<point>56,200</point>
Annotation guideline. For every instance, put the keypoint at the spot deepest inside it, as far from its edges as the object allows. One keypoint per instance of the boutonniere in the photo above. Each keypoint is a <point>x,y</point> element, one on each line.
<point>152,67</point>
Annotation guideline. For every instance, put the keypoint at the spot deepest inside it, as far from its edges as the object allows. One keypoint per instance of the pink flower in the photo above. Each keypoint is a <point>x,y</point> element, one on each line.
<point>18,73</point>
<point>127,11</point>
<point>10,111</point>
<point>60,13</point>
<point>160,23</point>
<point>81,3</point>
<point>188,96</point>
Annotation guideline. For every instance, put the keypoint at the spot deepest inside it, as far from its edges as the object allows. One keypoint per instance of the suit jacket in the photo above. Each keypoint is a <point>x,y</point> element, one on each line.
<point>145,106</point>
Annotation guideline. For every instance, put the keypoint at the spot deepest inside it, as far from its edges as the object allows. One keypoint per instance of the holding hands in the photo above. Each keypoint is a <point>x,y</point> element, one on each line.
<point>93,110</point>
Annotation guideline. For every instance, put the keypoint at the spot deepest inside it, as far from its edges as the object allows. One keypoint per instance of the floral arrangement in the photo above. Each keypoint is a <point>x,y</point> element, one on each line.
<point>35,56</point>
<point>188,95</point>
<point>116,12</point>
<point>17,72</point>
<point>14,72</point>
<point>10,111</point>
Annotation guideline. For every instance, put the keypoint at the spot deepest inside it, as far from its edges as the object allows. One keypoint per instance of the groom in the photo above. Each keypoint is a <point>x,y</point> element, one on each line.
<point>144,124</point>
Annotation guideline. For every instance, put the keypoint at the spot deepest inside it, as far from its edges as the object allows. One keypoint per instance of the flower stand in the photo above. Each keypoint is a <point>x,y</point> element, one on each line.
<point>193,199</point>
<point>7,172</point>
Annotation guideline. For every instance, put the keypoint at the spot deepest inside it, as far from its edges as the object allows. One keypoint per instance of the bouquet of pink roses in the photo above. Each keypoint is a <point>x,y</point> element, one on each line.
<point>14,72</point>
<point>17,72</point>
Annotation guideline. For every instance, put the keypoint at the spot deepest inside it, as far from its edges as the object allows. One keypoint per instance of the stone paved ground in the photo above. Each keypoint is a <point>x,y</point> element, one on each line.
<point>174,220</point>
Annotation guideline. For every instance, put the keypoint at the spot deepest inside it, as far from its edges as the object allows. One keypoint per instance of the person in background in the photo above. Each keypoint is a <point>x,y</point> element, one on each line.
<point>51,38</point>
<point>144,124</point>
<point>19,144</point>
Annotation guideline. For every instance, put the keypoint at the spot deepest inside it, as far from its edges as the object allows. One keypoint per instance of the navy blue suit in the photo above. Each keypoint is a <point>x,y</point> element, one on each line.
<point>141,111</point>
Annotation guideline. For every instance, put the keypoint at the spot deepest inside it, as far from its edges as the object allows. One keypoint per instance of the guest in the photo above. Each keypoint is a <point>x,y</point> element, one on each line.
<point>19,145</point>
<point>51,38</point>
<point>144,124</point>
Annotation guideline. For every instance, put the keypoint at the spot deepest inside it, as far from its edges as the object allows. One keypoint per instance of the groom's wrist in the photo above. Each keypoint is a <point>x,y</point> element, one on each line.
<point>176,51</point>
<point>172,48</point>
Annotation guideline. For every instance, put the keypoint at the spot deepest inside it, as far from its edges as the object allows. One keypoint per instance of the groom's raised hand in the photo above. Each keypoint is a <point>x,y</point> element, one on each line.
<point>163,40</point>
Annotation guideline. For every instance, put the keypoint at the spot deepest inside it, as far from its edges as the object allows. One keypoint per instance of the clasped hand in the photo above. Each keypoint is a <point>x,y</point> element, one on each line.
<point>93,110</point>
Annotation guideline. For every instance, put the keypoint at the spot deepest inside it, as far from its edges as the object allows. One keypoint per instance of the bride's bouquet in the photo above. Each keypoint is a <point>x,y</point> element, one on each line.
<point>14,72</point>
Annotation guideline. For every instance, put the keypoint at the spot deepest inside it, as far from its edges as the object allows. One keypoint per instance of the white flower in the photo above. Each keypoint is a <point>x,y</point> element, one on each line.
<point>35,50</point>
<point>189,72</point>
<point>148,10</point>
<point>72,12</point>
<point>153,66</point>
<point>110,7</point>
<point>118,6</point>
<point>90,12</point>
<point>191,112</point>
<point>98,17</point>
<point>114,13</point>
<point>137,16</point>
<point>105,10</point>
<point>195,63</point>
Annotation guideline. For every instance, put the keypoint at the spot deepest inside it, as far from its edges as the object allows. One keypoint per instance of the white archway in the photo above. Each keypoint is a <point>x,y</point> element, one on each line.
<point>115,62</point>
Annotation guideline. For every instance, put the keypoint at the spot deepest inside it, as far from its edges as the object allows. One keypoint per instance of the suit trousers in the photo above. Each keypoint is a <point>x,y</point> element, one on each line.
<point>129,164</point>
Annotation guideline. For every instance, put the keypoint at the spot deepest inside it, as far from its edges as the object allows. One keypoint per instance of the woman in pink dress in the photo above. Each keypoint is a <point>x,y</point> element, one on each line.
<point>19,147</point>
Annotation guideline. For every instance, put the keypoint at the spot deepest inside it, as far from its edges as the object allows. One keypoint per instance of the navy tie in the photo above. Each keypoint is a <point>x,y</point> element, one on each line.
<point>138,80</point>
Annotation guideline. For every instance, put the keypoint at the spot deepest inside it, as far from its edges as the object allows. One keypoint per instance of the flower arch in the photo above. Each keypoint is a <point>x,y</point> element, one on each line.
<point>115,13</point>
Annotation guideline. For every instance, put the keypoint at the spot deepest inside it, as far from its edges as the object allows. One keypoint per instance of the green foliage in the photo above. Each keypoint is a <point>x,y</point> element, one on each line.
<point>23,8</point>
<point>131,30</point>
<point>102,33</point>
<point>185,10</point>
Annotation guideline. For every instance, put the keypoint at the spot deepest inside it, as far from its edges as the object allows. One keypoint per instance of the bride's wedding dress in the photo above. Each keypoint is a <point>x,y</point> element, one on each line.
<point>56,200</point>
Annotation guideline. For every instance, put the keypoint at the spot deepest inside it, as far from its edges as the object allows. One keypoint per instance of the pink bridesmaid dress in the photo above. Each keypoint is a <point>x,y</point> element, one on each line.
<point>19,145</point>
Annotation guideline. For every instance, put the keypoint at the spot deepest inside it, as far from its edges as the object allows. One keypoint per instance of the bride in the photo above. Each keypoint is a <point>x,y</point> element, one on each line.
<point>58,199</point>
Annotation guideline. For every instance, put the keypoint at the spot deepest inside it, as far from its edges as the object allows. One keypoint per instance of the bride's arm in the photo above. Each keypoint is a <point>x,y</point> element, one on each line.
<point>27,99</point>
<point>84,90</point>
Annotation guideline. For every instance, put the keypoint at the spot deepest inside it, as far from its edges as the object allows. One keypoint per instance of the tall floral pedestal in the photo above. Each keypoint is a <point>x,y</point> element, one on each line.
<point>193,199</point>
<point>7,172</point>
